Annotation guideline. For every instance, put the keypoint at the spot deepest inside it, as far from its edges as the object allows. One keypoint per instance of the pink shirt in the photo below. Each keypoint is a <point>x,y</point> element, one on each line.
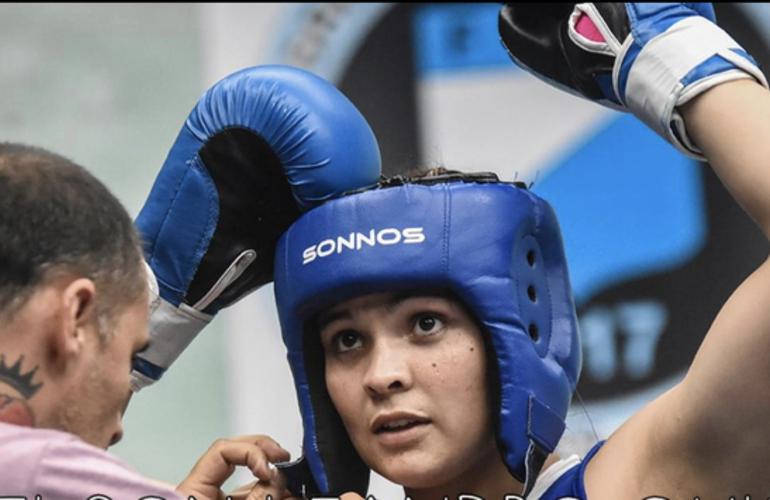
<point>55,465</point>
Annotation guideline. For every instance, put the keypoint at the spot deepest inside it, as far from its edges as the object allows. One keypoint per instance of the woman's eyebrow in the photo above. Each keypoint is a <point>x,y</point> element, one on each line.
<point>398,298</point>
<point>329,317</point>
<point>402,297</point>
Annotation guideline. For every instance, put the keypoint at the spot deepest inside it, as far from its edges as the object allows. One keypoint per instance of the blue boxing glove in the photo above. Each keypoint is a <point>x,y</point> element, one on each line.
<point>261,146</point>
<point>646,58</point>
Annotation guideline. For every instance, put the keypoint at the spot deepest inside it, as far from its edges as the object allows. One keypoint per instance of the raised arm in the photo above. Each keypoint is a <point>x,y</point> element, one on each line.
<point>673,68</point>
<point>708,437</point>
<point>731,124</point>
<point>723,399</point>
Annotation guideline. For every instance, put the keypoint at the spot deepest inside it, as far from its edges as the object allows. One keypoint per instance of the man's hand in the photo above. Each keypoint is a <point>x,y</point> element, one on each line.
<point>219,462</point>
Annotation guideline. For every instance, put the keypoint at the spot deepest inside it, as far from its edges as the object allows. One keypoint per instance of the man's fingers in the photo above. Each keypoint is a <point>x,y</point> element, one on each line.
<point>273,450</point>
<point>219,462</point>
<point>242,492</point>
<point>249,455</point>
<point>351,495</point>
<point>274,489</point>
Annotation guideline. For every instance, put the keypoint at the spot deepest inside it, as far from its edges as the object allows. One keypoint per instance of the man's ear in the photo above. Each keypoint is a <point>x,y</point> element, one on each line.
<point>78,315</point>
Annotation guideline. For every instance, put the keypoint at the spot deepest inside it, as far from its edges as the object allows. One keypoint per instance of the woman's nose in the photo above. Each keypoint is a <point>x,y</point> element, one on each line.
<point>388,371</point>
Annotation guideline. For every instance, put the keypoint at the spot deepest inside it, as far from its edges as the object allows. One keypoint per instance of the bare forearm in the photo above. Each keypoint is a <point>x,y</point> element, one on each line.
<point>731,125</point>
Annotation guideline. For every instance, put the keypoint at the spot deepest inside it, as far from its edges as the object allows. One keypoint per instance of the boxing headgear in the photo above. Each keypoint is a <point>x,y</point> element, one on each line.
<point>496,245</point>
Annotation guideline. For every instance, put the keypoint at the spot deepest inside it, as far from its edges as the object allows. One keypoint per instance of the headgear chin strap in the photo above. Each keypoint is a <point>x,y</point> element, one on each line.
<point>496,245</point>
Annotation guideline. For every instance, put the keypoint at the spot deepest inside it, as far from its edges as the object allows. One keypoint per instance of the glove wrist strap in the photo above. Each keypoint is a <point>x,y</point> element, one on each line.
<point>173,329</point>
<point>671,70</point>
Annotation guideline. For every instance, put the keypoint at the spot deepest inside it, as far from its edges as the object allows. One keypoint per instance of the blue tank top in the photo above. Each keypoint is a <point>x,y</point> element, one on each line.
<point>570,483</point>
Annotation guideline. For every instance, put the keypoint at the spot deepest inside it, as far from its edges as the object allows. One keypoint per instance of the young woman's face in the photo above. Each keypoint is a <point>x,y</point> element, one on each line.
<point>407,374</point>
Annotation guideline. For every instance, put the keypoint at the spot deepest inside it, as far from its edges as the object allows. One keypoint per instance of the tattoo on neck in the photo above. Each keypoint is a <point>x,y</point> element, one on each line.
<point>21,382</point>
<point>16,411</point>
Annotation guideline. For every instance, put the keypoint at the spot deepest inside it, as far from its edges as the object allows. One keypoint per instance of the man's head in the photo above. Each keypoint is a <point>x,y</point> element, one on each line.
<point>73,294</point>
<point>56,218</point>
<point>496,246</point>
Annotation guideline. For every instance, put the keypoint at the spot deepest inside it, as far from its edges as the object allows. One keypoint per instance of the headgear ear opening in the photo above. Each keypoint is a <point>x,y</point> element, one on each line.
<point>496,245</point>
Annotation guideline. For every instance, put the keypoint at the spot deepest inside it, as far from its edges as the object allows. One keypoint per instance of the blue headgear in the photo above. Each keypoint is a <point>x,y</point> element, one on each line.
<point>496,245</point>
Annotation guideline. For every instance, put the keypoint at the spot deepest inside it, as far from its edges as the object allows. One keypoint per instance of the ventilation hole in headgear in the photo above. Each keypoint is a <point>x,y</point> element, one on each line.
<point>532,294</point>
<point>531,258</point>
<point>533,333</point>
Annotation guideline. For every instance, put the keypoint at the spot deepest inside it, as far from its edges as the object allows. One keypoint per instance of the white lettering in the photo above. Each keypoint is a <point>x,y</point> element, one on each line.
<point>325,253</point>
<point>308,255</point>
<point>371,241</point>
<point>355,241</point>
<point>413,235</point>
<point>395,233</point>
<point>342,242</point>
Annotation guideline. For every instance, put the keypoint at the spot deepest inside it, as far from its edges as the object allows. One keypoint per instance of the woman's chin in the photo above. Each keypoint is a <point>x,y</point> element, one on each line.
<point>412,474</point>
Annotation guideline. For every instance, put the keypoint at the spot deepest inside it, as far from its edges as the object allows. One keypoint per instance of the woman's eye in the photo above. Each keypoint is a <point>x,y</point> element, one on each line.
<point>347,340</point>
<point>427,324</point>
